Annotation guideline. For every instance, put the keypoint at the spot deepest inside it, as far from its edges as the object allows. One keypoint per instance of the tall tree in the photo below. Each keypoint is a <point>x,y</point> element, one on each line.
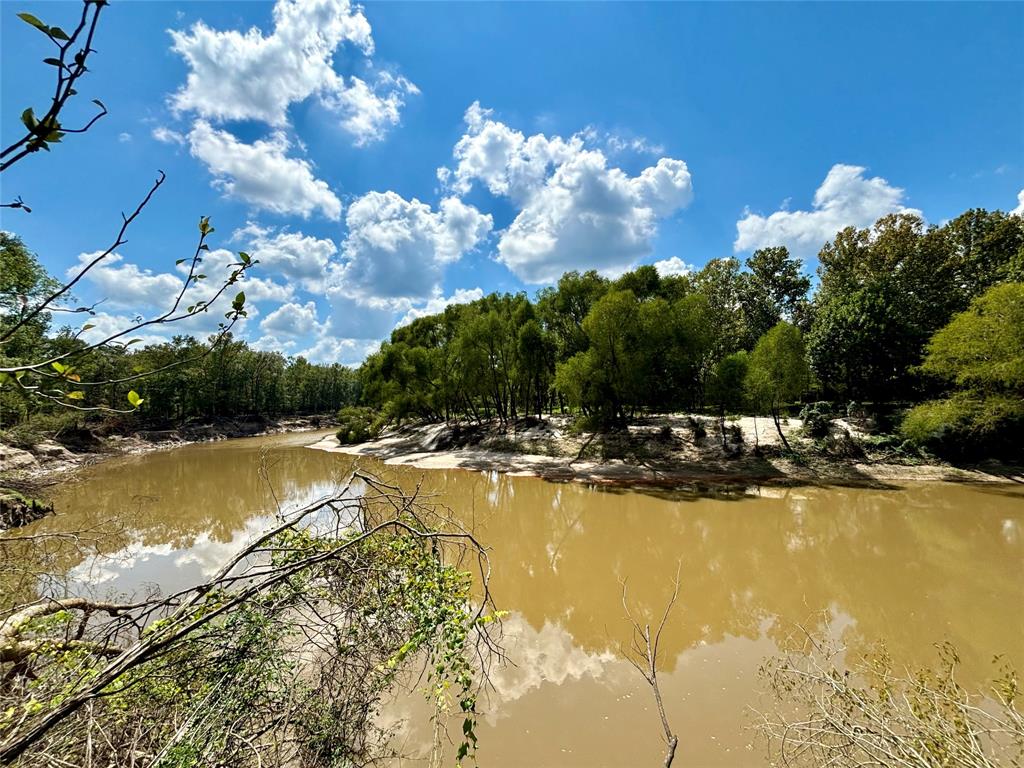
<point>774,289</point>
<point>777,372</point>
<point>562,309</point>
<point>727,387</point>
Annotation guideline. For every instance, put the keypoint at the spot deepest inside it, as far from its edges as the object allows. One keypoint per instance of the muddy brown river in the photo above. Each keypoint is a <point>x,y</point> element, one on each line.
<point>912,566</point>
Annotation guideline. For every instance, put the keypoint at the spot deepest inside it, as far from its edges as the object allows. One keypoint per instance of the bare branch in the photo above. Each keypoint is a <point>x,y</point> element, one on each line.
<point>643,655</point>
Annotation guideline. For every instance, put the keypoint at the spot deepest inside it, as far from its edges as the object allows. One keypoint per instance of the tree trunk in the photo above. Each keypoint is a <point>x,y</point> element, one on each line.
<point>778,428</point>
<point>721,427</point>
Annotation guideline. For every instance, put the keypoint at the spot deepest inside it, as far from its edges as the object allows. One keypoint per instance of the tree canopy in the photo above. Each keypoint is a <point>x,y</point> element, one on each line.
<point>730,336</point>
<point>980,353</point>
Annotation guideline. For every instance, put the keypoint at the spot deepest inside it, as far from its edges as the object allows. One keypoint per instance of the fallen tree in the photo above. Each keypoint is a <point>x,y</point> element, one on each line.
<point>280,658</point>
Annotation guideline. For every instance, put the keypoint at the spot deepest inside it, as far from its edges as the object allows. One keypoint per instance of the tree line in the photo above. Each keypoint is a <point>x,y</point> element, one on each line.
<point>734,336</point>
<point>184,377</point>
<point>754,336</point>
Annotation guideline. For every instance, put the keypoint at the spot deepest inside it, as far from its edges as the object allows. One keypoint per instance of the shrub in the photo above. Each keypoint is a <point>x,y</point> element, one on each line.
<point>359,424</point>
<point>842,445</point>
<point>584,423</point>
<point>698,428</point>
<point>735,433</point>
<point>816,418</point>
<point>965,426</point>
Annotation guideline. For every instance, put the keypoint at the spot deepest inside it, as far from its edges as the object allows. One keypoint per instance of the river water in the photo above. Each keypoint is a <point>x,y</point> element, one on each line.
<point>912,565</point>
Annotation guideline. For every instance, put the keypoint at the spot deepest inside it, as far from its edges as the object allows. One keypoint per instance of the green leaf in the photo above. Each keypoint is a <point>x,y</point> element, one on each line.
<point>76,395</point>
<point>87,326</point>
<point>100,104</point>
<point>28,18</point>
<point>179,261</point>
<point>132,341</point>
<point>58,367</point>
<point>4,377</point>
<point>29,119</point>
<point>239,301</point>
<point>134,399</point>
<point>58,34</point>
<point>53,62</point>
<point>204,225</point>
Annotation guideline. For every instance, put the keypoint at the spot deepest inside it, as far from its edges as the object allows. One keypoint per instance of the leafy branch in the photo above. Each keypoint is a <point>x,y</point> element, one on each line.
<point>45,378</point>
<point>331,573</point>
<point>73,52</point>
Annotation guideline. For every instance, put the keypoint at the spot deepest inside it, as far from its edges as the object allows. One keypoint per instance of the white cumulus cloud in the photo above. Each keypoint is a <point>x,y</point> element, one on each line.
<point>368,111</point>
<point>673,266</point>
<point>1019,210</point>
<point>124,285</point>
<point>218,265</point>
<point>845,198</point>
<point>166,135</point>
<point>576,212</point>
<point>257,76</point>
<point>139,292</point>
<point>328,349</point>
<point>300,258</point>
<point>396,248</point>
<point>438,303</point>
<point>292,319</point>
<point>262,174</point>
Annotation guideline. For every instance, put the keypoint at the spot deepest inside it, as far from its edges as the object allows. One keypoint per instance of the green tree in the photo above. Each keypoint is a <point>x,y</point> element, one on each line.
<point>722,283</point>
<point>23,284</point>
<point>23,280</point>
<point>563,308</point>
<point>605,380</point>
<point>777,372</point>
<point>885,291</point>
<point>727,387</point>
<point>774,289</point>
<point>644,282</point>
<point>981,353</point>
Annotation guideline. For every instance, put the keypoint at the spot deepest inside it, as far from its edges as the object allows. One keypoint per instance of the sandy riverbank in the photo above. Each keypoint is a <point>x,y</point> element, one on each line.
<point>671,450</point>
<point>49,460</point>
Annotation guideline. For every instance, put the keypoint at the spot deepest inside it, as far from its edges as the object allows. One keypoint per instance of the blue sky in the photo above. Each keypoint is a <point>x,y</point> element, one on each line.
<point>569,136</point>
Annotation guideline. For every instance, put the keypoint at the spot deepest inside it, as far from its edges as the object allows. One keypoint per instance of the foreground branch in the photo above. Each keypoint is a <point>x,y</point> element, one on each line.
<point>845,712</point>
<point>340,593</point>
